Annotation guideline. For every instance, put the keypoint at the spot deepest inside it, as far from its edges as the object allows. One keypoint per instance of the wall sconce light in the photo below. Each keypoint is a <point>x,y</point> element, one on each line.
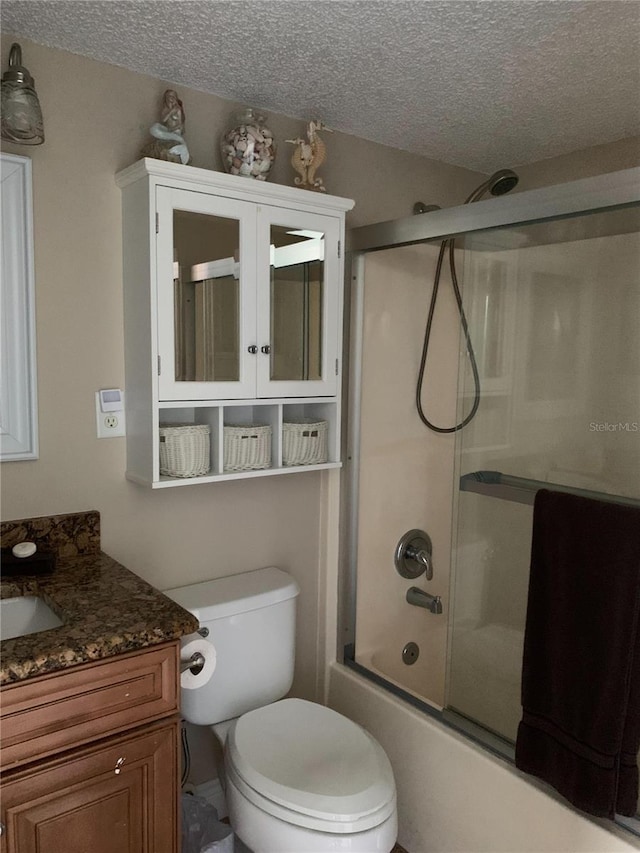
<point>21,119</point>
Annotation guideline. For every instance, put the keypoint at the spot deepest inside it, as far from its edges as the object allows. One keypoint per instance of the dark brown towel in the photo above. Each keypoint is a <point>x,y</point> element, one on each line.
<point>580,728</point>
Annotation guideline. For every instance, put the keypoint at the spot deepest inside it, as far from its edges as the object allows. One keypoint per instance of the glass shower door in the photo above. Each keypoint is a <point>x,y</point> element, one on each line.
<point>553,312</point>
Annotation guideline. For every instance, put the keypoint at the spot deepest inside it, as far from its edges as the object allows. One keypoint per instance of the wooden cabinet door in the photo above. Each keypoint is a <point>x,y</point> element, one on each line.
<point>120,797</point>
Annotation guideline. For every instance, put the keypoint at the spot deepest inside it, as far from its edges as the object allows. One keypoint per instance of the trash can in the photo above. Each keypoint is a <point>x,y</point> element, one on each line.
<point>202,832</point>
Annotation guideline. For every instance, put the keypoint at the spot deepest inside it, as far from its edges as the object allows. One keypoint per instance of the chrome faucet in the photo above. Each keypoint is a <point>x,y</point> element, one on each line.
<point>422,557</point>
<point>413,555</point>
<point>417,596</point>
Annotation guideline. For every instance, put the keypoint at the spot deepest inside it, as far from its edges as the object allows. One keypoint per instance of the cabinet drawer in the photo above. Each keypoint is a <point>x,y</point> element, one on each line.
<point>41,716</point>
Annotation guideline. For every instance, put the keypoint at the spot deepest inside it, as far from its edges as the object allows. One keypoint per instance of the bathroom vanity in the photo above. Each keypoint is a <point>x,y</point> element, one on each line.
<point>89,711</point>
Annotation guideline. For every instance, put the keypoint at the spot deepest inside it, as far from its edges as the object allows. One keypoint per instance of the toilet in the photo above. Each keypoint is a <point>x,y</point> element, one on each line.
<point>299,777</point>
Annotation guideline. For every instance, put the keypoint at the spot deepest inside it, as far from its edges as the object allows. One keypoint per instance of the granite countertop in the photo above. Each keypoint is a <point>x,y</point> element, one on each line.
<point>106,610</point>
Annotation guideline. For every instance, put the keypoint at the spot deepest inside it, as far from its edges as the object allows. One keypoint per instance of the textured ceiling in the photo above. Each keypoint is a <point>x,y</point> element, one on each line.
<point>480,84</point>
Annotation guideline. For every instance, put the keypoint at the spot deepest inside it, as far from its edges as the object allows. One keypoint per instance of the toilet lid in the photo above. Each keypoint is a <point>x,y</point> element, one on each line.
<point>311,760</point>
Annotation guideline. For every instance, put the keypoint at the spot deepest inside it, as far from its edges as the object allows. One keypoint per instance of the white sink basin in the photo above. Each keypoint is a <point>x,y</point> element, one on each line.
<point>26,614</point>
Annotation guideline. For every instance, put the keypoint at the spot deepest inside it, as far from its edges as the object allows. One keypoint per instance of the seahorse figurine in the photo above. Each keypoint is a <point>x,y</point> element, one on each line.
<point>308,156</point>
<point>319,154</point>
<point>300,160</point>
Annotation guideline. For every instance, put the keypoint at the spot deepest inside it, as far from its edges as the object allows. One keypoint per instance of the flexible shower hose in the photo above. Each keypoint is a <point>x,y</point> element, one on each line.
<point>450,244</point>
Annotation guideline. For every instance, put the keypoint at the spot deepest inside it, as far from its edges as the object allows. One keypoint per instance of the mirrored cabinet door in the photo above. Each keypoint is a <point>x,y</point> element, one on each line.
<point>298,311</point>
<point>206,301</point>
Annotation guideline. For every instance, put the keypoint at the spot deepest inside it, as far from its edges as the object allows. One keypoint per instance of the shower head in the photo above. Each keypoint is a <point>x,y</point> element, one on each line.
<point>421,207</point>
<point>502,182</point>
<point>498,184</point>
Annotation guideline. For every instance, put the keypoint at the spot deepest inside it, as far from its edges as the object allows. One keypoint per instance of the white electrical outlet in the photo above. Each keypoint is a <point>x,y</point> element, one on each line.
<point>109,424</point>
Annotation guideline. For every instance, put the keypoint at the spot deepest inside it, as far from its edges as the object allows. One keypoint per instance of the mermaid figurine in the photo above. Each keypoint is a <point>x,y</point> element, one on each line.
<point>168,142</point>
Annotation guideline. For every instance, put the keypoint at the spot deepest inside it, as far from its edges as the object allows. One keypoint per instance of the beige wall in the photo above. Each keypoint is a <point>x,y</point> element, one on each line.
<point>96,120</point>
<point>624,154</point>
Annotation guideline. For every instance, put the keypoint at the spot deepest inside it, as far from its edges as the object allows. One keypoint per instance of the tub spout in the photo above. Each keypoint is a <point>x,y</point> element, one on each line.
<point>417,596</point>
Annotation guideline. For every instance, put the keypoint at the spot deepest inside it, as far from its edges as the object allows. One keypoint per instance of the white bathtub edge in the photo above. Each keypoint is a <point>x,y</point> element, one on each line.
<point>454,796</point>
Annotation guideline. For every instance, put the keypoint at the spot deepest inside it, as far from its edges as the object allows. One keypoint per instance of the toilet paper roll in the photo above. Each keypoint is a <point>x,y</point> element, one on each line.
<point>188,680</point>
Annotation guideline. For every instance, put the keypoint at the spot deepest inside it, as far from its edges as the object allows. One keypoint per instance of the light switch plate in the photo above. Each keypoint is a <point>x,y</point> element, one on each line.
<point>109,424</point>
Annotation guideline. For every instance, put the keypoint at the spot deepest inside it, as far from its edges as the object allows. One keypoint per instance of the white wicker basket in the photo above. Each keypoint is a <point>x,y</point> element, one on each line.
<point>185,449</point>
<point>304,441</point>
<point>247,447</point>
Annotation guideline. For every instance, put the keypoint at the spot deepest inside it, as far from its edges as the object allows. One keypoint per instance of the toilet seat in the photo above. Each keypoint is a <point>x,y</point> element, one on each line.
<point>310,766</point>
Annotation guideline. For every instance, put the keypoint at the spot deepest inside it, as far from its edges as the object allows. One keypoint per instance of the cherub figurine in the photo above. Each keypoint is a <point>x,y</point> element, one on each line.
<point>308,156</point>
<point>168,142</point>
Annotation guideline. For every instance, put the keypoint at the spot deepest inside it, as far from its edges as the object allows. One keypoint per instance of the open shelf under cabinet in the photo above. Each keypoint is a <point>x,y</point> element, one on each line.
<point>218,414</point>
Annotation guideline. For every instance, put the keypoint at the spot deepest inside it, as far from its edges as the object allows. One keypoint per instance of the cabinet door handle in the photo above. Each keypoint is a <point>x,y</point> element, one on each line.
<point>266,349</point>
<point>118,766</point>
<point>253,349</point>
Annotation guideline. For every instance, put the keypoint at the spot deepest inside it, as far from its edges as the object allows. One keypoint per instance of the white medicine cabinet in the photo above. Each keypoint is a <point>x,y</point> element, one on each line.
<point>233,293</point>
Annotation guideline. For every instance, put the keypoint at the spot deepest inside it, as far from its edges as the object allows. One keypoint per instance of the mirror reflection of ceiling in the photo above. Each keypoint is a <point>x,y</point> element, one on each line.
<point>483,84</point>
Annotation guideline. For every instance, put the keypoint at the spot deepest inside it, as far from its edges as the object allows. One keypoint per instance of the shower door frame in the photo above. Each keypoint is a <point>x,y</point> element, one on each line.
<point>610,191</point>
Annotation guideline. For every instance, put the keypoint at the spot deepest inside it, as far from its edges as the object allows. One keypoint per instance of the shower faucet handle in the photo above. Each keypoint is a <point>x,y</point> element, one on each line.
<point>413,555</point>
<point>421,556</point>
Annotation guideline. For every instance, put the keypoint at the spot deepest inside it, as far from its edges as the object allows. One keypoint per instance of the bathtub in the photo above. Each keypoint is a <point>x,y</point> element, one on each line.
<point>456,797</point>
<point>484,676</point>
<point>418,679</point>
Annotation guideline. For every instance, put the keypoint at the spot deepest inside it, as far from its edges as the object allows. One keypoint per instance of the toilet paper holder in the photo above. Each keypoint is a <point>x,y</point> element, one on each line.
<point>195,663</point>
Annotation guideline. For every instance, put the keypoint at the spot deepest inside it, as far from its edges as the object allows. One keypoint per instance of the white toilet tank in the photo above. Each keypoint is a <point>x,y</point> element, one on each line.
<point>251,619</point>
